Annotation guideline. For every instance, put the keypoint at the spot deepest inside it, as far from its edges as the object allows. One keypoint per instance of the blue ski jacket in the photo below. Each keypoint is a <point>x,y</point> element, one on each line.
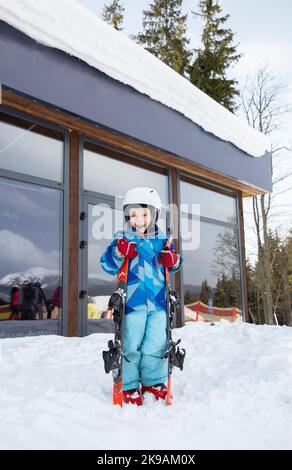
<point>146,276</point>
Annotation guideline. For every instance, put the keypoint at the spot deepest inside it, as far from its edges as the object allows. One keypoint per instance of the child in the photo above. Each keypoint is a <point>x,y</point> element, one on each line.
<point>145,339</point>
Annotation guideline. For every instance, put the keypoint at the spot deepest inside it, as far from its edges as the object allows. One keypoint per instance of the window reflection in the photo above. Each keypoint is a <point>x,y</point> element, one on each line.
<point>27,148</point>
<point>30,259</point>
<point>103,222</point>
<point>213,205</point>
<point>114,177</point>
<point>100,284</point>
<point>211,274</point>
<point>111,177</point>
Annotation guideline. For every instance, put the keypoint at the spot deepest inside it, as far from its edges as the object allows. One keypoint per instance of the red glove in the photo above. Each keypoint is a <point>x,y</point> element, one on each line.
<point>168,258</point>
<point>127,249</point>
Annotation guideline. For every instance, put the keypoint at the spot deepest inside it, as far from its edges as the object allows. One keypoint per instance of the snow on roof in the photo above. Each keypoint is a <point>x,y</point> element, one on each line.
<point>68,26</point>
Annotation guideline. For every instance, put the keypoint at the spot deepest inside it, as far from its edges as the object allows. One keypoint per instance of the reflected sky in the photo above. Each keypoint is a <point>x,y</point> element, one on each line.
<point>31,153</point>
<point>212,204</point>
<point>113,177</point>
<point>30,231</point>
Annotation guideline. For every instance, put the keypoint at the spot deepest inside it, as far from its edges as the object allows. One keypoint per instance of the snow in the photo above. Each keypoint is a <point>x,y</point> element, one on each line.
<point>68,26</point>
<point>33,274</point>
<point>235,393</point>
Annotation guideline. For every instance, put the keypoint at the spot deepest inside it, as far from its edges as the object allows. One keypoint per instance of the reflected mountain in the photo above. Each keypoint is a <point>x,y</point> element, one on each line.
<point>101,284</point>
<point>49,279</point>
<point>193,289</point>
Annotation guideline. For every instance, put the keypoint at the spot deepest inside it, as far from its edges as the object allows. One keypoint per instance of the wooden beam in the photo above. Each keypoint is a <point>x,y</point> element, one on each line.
<point>245,306</point>
<point>120,141</point>
<point>73,234</point>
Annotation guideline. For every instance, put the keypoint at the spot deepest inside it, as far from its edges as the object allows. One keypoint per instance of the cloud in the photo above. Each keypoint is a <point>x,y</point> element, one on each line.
<point>24,199</point>
<point>19,253</point>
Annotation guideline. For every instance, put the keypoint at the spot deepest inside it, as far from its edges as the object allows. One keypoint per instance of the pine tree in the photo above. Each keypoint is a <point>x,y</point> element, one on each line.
<point>218,53</point>
<point>252,292</point>
<point>234,290</point>
<point>189,298</point>
<point>205,292</point>
<point>113,14</point>
<point>221,293</point>
<point>164,33</point>
<point>281,290</point>
<point>280,276</point>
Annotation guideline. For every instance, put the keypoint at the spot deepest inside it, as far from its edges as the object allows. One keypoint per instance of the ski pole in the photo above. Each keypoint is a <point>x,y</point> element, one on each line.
<point>167,282</point>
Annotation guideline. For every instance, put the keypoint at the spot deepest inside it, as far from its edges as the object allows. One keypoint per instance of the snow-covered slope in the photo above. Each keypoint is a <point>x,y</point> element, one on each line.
<point>235,392</point>
<point>68,26</point>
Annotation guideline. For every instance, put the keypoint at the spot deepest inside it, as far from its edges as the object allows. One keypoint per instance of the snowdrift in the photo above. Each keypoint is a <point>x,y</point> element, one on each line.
<point>234,393</point>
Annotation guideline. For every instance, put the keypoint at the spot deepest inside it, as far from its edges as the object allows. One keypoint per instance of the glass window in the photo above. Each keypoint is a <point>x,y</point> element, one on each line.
<point>30,259</point>
<point>114,177</point>
<point>29,149</point>
<point>103,222</point>
<point>213,205</point>
<point>211,273</point>
<point>100,284</point>
<point>111,177</point>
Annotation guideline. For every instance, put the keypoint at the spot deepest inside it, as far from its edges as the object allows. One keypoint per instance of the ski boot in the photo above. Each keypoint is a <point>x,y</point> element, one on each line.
<point>159,391</point>
<point>132,396</point>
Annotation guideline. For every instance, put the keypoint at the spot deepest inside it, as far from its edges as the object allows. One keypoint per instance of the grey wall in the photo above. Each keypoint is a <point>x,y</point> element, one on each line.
<point>70,84</point>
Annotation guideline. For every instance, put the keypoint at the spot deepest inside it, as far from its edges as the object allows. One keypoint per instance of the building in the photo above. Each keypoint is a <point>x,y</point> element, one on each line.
<point>85,115</point>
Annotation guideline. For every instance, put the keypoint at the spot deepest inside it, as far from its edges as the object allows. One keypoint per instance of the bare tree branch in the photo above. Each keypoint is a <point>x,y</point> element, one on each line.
<point>263,103</point>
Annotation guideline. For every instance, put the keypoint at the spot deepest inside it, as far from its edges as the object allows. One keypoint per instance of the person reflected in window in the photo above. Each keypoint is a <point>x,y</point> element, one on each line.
<point>57,304</point>
<point>15,303</point>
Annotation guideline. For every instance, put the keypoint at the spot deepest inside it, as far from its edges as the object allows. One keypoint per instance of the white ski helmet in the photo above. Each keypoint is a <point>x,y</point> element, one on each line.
<point>142,195</point>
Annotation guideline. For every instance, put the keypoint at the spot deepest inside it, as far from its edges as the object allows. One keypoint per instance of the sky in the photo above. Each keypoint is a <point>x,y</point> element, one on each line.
<point>262,27</point>
<point>264,33</point>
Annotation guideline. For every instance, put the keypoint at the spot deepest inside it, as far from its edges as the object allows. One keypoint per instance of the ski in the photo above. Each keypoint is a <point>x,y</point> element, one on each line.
<point>114,356</point>
<point>174,354</point>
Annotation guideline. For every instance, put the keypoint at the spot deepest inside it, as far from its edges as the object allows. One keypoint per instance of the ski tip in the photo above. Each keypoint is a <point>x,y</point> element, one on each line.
<point>168,399</point>
<point>118,394</point>
<point>118,401</point>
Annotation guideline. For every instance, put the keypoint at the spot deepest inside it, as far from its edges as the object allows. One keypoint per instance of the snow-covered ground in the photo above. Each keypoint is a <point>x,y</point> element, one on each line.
<point>234,393</point>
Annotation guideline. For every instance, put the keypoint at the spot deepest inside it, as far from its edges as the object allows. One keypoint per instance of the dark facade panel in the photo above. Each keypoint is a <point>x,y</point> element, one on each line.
<point>68,83</point>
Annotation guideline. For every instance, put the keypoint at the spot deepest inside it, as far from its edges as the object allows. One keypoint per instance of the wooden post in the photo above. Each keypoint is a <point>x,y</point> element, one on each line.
<point>73,234</point>
<point>244,296</point>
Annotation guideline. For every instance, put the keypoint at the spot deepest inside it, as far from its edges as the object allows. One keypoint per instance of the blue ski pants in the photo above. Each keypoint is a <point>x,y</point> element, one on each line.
<point>145,341</point>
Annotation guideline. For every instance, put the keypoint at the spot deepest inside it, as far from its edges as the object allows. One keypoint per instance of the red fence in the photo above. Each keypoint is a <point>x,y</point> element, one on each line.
<point>206,313</point>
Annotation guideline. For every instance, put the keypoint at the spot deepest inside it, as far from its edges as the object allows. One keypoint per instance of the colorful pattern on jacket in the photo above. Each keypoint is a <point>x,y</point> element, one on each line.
<point>146,278</point>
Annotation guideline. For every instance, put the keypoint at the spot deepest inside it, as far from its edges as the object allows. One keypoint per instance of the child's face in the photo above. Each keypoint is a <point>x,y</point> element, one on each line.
<point>140,218</point>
